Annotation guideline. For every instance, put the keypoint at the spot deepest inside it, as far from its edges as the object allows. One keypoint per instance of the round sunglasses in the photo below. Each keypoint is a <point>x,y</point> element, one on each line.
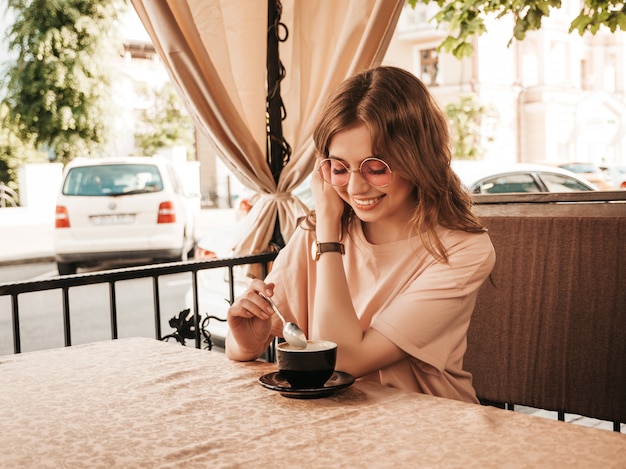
<point>374,170</point>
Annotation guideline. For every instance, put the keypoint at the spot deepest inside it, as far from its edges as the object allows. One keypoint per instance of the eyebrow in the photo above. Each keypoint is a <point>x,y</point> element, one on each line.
<point>331,157</point>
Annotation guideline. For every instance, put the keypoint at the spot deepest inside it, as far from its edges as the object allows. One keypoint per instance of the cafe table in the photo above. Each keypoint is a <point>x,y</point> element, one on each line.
<point>139,402</point>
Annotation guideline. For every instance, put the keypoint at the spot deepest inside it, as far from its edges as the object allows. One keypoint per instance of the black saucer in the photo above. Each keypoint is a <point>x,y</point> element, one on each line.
<point>276,382</point>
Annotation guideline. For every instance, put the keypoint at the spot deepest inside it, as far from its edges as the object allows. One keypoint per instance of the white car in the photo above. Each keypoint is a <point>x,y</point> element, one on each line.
<point>122,209</point>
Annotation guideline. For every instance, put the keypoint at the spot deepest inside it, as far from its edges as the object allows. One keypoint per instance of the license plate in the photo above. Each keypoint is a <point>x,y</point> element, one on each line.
<point>116,219</point>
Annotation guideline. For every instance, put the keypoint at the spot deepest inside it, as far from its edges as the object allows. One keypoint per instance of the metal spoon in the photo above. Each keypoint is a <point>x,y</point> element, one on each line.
<point>291,332</point>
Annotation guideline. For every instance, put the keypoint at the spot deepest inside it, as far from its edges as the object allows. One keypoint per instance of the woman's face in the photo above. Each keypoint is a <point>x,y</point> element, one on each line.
<point>390,206</point>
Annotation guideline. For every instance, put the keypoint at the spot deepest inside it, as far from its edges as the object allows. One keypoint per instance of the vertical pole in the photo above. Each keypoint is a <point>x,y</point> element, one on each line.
<point>274,124</point>
<point>17,342</point>
<point>157,307</point>
<point>66,316</point>
<point>113,309</point>
<point>196,309</point>
<point>278,151</point>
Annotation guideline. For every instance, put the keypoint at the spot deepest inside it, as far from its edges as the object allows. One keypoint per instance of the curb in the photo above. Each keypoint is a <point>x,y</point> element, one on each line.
<point>44,258</point>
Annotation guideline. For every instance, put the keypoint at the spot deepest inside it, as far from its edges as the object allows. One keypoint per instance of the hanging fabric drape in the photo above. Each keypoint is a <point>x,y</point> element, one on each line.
<point>215,52</point>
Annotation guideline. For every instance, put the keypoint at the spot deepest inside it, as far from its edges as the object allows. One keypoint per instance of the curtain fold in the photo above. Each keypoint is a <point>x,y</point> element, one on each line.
<point>215,52</point>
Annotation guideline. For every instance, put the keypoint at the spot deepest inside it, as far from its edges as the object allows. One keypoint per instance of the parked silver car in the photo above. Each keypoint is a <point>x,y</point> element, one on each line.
<point>591,173</point>
<point>516,178</point>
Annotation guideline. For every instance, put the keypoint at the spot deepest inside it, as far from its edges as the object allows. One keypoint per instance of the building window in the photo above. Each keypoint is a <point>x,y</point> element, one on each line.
<point>585,78</point>
<point>429,66</point>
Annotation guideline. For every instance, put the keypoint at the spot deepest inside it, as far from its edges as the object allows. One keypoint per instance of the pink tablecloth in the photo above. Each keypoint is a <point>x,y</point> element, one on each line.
<point>142,403</point>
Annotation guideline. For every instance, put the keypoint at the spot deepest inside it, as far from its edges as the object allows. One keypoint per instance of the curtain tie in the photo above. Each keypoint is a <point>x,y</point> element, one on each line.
<point>278,196</point>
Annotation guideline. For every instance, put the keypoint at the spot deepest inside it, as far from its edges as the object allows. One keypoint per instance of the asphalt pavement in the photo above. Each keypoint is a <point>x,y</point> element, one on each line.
<point>27,234</point>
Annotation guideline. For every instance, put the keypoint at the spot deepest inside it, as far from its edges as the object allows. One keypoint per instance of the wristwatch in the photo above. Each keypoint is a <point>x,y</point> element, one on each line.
<point>317,249</point>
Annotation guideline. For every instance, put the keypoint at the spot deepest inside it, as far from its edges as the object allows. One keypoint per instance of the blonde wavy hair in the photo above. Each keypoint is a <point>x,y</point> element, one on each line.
<point>410,132</point>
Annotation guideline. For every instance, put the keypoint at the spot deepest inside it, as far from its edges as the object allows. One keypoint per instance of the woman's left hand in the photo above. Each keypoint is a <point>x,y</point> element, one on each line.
<point>328,205</point>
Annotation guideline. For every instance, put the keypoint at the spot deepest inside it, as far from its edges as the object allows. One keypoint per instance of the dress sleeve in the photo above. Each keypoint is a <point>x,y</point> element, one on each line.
<point>430,318</point>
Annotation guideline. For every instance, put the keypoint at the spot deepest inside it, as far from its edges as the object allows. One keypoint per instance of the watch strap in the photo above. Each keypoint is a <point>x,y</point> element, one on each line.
<point>330,247</point>
<point>317,249</point>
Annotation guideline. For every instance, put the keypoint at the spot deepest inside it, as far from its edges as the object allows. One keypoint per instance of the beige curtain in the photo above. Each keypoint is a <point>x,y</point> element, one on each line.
<point>215,51</point>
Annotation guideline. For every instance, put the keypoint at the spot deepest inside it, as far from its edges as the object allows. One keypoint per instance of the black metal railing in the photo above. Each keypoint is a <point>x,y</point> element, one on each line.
<point>111,277</point>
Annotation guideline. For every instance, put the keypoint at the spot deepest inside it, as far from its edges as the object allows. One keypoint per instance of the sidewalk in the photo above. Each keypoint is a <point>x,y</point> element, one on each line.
<point>27,235</point>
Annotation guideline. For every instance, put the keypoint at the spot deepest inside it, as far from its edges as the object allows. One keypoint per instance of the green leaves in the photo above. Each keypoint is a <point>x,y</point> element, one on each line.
<point>597,13</point>
<point>164,124</point>
<point>465,118</point>
<point>14,152</point>
<point>57,89</point>
<point>465,18</point>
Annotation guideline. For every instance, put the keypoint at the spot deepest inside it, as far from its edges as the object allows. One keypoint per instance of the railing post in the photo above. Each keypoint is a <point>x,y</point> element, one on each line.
<point>157,306</point>
<point>17,344</point>
<point>67,330</point>
<point>113,310</point>
<point>196,307</point>
<point>231,285</point>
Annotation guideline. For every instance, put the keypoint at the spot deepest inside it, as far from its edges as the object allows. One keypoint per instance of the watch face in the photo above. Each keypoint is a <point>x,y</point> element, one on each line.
<point>314,252</point>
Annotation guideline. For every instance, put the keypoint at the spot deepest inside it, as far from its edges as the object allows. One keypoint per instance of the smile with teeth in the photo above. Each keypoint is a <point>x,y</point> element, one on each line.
<point>367,202</point>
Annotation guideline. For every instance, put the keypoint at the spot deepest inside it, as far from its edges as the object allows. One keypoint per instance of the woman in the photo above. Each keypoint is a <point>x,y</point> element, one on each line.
<point>390,263</point>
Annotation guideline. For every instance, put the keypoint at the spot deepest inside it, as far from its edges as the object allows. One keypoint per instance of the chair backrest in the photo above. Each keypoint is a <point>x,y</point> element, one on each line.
<point>549,329</point>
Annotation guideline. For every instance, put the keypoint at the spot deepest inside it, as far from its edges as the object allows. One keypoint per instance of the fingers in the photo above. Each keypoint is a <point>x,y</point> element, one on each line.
<point>259,285</point>
<point>251,304</point>
<point>317,183</point>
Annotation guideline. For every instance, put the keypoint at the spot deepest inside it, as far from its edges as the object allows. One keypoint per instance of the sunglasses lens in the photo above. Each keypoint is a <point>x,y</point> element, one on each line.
<point>376,172</point>
<point>334,172</point>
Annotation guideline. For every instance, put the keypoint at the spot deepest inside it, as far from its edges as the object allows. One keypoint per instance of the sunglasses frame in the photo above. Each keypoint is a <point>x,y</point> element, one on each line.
<point>350,171</point>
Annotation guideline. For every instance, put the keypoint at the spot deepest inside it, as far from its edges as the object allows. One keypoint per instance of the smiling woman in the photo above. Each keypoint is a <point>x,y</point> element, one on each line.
<point>396,256</point>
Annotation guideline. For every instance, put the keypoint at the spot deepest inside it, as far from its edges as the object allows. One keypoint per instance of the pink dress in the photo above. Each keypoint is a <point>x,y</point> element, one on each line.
<point>422,305</point>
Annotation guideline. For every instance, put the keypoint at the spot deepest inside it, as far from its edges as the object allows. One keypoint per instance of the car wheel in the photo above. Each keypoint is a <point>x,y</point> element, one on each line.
<point>66,268</point>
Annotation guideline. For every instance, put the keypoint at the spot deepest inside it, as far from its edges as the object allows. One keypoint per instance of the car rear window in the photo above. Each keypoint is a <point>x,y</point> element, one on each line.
<point>558,183</point>
<point>580,168</point>
<point>114,179</point>
<point>505,184</point>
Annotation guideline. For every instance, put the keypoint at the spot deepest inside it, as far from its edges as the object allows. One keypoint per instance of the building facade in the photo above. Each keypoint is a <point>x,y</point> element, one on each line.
<point>555,97</point>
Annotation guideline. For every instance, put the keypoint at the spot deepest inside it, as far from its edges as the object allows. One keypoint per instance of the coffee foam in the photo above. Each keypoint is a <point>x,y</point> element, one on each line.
<point>311,346</point>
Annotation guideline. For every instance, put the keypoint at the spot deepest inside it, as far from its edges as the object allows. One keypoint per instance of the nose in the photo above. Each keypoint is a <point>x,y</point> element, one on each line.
<point>357,184</point>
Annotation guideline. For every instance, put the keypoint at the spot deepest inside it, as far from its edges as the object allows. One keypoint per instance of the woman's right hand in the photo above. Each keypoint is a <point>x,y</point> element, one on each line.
<point>249,317</point>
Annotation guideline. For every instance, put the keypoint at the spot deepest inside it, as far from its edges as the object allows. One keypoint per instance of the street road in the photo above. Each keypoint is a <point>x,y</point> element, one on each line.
<point>41,317</point>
